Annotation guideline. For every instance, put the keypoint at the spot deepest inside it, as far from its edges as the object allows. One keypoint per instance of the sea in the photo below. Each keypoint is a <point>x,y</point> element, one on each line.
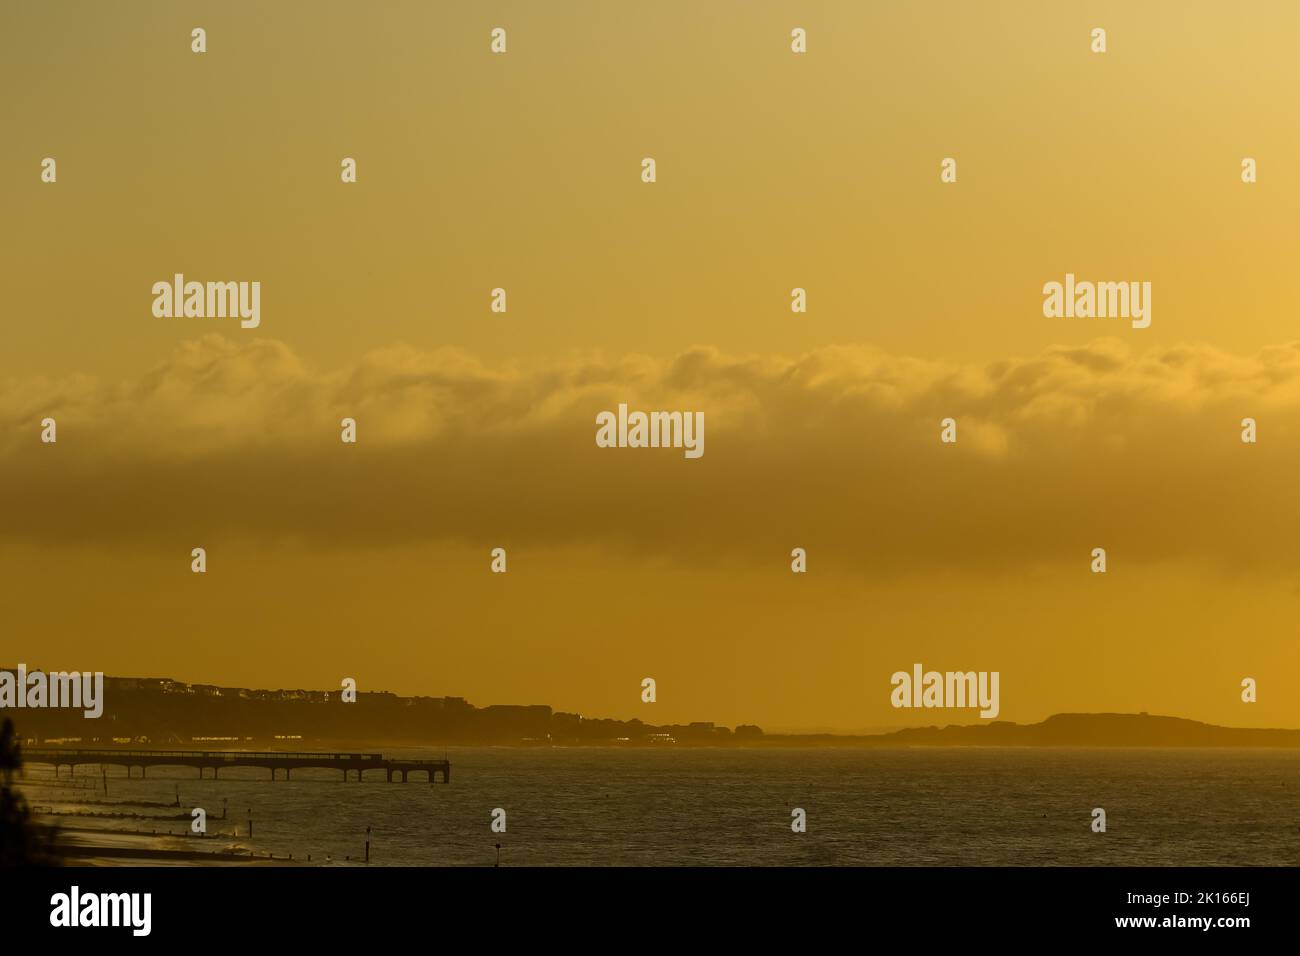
<point>735,807</point>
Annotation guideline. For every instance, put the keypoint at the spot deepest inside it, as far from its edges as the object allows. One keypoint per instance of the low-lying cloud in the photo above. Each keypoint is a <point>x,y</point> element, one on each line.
<point>836,451</point>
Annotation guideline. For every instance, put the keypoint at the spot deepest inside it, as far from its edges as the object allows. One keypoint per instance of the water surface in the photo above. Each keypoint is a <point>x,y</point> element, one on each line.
<point>732,807</point>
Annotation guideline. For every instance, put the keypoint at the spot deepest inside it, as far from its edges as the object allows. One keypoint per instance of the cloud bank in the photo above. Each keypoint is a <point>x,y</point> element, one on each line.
<point>836,451</point>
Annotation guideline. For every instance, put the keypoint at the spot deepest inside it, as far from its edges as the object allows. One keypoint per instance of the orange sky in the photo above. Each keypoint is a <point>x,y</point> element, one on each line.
<point>476,429</point>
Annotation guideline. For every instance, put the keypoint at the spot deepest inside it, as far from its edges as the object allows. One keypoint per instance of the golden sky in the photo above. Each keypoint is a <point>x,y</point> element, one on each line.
<point>476,429</point>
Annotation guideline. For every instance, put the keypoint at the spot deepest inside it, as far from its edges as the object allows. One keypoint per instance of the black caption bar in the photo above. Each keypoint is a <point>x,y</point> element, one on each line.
<point>327,905</point>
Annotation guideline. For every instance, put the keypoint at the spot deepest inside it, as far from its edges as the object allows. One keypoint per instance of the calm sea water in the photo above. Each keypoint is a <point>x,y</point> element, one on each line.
<point>603,807</point>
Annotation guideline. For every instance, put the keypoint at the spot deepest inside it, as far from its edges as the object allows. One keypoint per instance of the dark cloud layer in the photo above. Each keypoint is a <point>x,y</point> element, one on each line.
<point>837,451</point>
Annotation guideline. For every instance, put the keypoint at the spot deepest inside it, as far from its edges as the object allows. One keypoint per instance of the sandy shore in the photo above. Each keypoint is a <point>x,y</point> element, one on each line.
<point>90,830</point>
<point>88,846</point>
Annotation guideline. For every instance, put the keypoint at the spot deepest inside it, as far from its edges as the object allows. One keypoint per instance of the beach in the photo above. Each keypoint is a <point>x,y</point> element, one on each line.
<point>92,828</point>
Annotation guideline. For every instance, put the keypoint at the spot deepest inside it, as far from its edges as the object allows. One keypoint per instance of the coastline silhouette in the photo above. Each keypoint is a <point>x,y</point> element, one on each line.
<point>158,712</point>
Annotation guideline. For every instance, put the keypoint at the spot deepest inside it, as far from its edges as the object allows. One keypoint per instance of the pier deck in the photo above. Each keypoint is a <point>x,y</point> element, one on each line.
<point>218,760</point>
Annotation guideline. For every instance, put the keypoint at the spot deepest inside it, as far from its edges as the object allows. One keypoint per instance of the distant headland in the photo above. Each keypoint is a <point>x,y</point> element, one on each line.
<point>159,712</point>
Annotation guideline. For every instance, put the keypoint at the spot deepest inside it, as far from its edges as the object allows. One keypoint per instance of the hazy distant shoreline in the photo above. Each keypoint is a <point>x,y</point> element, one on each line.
<point>168,714</point>
<point>1107,731</point>
<point>1060,730</point>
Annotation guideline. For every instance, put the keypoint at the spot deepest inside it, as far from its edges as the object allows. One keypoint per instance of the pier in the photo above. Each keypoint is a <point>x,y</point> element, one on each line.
<point>218,760</point>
